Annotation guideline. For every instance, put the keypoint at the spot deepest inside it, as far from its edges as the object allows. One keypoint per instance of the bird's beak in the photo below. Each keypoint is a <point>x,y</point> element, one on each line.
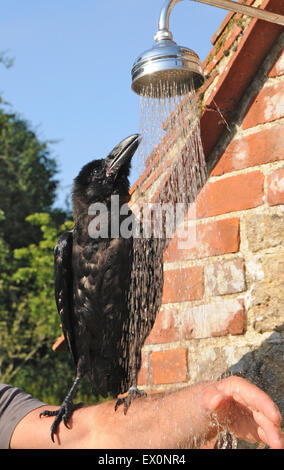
<point>122,154</point>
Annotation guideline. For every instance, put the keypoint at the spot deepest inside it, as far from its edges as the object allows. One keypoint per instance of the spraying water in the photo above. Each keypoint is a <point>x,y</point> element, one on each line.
<point>172,160</point>
<point>172,121</point>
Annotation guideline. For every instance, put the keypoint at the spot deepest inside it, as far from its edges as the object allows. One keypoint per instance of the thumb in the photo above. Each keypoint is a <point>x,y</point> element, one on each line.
<point>214,399</point>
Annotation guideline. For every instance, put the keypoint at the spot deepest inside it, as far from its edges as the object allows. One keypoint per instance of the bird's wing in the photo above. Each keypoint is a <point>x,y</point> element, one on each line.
<point>64,287</point>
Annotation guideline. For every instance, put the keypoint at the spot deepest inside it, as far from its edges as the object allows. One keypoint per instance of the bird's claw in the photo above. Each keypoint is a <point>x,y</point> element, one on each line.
<point>63,414</point>
<point>132,394</point>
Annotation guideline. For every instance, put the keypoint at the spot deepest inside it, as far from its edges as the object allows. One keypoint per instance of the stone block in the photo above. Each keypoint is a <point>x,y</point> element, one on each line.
<point>266,297</point>
<point>264,231</point>
<point>225,277</point>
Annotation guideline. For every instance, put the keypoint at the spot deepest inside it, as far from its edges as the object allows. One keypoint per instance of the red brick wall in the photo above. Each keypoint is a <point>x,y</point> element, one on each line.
<point>207,321</point>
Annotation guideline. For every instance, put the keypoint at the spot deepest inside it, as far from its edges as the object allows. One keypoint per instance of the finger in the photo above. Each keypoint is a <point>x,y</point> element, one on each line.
<point>253,397</point>
<point>268,431</point>
<point>262,435</point>
<point>213,398</point>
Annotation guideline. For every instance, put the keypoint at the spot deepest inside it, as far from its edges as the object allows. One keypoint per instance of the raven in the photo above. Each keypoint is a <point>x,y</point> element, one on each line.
<point>108,289</point>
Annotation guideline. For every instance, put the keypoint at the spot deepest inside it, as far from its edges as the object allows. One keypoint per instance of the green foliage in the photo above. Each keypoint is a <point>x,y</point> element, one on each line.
<point>27,183</point>
<point>35,276</point>
<point>31,326</point>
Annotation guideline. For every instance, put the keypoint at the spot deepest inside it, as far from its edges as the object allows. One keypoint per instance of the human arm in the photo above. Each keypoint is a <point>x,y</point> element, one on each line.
<point>182,419</point>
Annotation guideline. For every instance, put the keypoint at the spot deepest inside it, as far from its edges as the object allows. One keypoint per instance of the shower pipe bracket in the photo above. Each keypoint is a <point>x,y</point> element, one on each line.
<point>254,12</point>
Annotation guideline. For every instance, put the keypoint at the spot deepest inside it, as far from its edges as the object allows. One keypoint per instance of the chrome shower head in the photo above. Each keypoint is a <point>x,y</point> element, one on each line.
<point>166,69</point>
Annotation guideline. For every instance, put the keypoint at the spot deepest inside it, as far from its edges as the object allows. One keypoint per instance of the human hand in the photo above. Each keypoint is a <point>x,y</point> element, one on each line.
<point>244,410</point>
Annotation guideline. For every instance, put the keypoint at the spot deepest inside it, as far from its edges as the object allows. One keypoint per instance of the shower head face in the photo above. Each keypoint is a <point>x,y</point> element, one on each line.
<point>166,70</point>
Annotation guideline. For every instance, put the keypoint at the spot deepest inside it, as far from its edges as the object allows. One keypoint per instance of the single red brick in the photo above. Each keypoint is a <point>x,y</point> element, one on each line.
<point>169,366</point>
<point>278,68</point>
<point>267,106</point>
<point>276,187</point>
<point>238,323</point>
<point>263,146</point>
<point>206,239</point>
<point>183,284</point>
<point>230,194</point>
<point>166,327</point>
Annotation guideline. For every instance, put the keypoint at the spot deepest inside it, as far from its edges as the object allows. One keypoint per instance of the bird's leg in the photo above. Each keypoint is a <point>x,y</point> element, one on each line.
<point>132,394</point>
<point>65,411</point>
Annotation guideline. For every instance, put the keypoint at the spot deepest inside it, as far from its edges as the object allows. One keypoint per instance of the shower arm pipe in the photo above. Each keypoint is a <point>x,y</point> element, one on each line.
<point>230,5</point>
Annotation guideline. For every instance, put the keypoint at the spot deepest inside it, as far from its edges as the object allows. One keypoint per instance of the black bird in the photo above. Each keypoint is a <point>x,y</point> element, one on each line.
<point>108,288</point>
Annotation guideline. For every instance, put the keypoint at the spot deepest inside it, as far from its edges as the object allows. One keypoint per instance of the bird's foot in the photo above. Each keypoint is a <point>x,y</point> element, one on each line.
<point>132,394</point>
<point>63,414</point>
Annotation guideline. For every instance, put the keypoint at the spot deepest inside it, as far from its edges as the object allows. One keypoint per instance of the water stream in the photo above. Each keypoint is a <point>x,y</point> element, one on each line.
<point>171,147</point>
<point>172,156</point>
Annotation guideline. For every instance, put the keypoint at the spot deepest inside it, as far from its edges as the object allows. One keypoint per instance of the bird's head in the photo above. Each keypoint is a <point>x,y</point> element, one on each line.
<point>100,179</point>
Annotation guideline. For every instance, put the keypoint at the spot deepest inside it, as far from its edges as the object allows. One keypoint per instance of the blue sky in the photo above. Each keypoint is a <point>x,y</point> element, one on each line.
<point>71,77</point>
